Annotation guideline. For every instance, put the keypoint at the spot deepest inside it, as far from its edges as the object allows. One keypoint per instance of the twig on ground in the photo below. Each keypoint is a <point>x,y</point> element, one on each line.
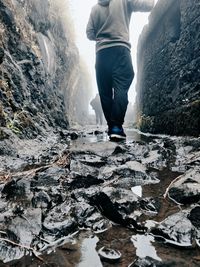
<point>167,190</point>
<point>22,246</point>
<point>58,242</point>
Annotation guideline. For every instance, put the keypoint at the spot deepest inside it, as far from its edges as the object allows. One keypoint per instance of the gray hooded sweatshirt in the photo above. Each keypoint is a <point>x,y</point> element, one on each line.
<point>109,21</point>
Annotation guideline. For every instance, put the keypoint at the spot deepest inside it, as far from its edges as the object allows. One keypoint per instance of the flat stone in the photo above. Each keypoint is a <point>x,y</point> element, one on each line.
<point>176,230</point>
<point>23,229</point>
<point>186,189</point>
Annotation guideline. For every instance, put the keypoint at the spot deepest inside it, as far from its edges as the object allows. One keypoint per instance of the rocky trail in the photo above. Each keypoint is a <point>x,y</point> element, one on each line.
<point>71,197</point>
<point>77,199</point>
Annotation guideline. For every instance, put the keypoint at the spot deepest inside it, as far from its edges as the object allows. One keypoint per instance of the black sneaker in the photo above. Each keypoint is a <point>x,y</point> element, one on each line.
<point>117,134</point>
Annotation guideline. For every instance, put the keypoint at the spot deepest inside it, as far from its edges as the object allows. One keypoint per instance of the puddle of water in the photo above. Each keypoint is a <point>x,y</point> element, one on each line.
<point>144,247</point>
<point>91,138</point>
<point>89,256</point>
<point>131,135</point>
<point>137,190</point>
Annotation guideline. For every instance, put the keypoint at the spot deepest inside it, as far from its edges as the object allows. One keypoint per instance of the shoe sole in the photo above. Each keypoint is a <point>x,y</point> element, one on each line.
<point>117,137</point>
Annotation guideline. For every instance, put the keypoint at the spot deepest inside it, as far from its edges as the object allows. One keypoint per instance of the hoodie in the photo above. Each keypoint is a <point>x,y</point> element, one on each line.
<point>109,21</point>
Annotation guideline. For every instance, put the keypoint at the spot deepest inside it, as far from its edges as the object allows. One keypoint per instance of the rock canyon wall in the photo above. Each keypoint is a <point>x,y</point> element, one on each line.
<point>41,74</point>
<point>168,85</point>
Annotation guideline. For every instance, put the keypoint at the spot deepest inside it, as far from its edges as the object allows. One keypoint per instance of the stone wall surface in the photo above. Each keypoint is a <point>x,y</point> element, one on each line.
<point>168,86</point>
<point>40,71</point>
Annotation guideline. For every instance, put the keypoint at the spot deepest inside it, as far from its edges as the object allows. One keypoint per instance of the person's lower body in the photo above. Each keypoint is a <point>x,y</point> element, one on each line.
<point>99,117</point>
<point>114,74</point>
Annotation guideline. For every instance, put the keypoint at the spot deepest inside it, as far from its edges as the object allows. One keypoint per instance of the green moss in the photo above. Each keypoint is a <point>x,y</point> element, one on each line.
<point>14,129</point>
<point>2,116</point>
<point>181,121</point>
<point>195,103</point>
<point>145,122</point>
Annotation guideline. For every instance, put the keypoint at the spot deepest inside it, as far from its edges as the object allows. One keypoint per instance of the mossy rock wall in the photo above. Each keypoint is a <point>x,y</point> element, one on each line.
<point>41,74</point>
<point>168,86</point>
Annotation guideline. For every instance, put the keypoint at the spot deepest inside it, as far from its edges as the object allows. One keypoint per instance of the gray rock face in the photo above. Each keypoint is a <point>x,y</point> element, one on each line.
<point>168,77</point>
<point>41,73</point>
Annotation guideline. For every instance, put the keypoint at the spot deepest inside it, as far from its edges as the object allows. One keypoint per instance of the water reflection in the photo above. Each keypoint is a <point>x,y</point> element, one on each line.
<point>137,190</point>
<point>100,135</point>
<point>144,247</point>
<point>89,255</point>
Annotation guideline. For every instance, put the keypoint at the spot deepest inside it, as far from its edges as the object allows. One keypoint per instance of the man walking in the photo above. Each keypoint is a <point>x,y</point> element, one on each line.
<point>96,105</point>
<point>108,25</point>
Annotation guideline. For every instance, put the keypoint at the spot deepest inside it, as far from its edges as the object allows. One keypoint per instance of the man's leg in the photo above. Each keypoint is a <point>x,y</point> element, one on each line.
<point>104,82</point>
<point>122,78</point>
<point>96,115</point>
<point>101,118</point>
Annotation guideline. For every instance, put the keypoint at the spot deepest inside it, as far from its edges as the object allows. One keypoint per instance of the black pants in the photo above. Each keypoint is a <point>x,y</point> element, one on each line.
<point>114,74</point>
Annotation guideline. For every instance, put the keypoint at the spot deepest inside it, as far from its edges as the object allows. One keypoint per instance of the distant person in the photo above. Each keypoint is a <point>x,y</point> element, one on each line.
<point>96,105</point>
<point>130,114</point>
<point>108,25</point>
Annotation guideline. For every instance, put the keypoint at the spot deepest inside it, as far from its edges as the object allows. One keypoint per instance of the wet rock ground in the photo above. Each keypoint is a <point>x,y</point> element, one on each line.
<point>76,199</point>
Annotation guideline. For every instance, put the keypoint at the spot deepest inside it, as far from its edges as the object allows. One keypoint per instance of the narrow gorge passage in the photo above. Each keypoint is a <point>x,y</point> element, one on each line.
<point>68,195</point>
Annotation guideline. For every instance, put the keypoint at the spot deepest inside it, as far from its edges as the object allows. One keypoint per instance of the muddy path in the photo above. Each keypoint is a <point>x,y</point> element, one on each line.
<point>76,199</point>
